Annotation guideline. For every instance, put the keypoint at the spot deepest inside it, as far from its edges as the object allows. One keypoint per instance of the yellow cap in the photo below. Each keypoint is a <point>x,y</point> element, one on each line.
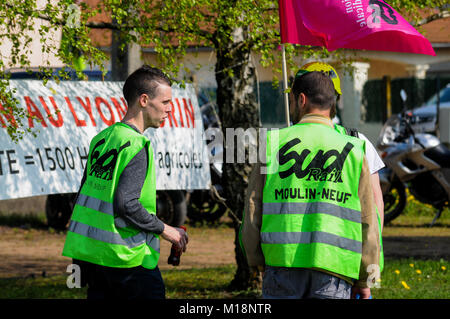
<point>322,67</point>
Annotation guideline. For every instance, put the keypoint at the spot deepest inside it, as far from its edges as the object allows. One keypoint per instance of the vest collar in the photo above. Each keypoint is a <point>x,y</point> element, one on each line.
<point>132,126</point>
<point>316,118</point>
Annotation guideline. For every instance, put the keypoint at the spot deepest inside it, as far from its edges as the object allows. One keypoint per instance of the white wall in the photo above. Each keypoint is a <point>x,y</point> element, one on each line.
<point>36,57</point>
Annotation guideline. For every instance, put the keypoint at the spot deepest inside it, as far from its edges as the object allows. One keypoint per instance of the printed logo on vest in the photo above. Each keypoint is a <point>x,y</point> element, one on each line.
<point>104,165</point>
<point>315,171</point>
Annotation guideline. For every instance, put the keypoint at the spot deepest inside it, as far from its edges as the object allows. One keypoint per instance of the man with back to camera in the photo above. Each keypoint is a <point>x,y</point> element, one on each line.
<point>373,159</point>
<point>310,221</point>
<point>114,231</point>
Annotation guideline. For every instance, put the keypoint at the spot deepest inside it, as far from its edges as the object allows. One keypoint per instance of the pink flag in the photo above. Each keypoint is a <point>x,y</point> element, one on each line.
<point>351,24</point>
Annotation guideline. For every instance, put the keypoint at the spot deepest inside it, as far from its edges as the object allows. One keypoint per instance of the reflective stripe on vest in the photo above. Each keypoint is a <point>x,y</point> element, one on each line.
<point>95,204</point>
<point>106,236</point>
<point>114,238</point>
<point>100,206</point>
<point>312,208</point>
<point>309,238</point>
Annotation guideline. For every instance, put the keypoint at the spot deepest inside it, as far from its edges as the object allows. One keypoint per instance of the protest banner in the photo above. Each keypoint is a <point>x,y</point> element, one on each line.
<point>65,117</point>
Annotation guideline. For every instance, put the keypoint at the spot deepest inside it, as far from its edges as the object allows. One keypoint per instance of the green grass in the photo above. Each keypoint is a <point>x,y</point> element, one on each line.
<point>416,219</point>
<point>425,279</point>
<point>422,279</point>
<point>204,283</point>
<point>39,288</point>
<point>23,220</point>
<point>196,283</point>
<point>419,214</point>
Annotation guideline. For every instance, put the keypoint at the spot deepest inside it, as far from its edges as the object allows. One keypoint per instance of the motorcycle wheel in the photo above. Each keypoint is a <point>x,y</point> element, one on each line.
<point>394,201</point>
<point>171,207</point>
<point>202,207</point>
<point>58,209</point>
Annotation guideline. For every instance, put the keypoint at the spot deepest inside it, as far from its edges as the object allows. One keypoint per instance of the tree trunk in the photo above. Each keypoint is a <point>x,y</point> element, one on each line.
<point>124,61</point>
<point>237,109</point>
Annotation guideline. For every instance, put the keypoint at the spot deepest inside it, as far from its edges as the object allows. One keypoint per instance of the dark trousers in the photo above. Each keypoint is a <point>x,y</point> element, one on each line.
<point>121,283</point>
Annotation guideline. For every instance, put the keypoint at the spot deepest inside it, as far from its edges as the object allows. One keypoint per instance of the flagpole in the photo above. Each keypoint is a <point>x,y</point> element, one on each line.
<point>285,86</point>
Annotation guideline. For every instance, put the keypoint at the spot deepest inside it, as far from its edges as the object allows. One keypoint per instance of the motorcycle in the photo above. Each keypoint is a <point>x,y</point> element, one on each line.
<point>419,162</point>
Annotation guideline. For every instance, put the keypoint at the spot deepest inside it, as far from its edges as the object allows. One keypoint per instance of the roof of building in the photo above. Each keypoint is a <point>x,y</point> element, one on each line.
<point>437,31</point>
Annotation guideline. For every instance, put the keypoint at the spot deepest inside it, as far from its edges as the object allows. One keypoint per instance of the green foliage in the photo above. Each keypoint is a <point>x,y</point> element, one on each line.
<point>20,23</point>
<point>414,10</point>
<point>170,27</point>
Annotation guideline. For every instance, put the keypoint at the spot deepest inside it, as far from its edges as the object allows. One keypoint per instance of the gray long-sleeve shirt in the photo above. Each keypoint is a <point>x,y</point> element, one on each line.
<point>126,199</point>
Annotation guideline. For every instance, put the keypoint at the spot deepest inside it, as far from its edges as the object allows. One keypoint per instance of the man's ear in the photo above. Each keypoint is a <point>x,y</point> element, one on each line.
<point>143,100</point>
<point>302,100</point>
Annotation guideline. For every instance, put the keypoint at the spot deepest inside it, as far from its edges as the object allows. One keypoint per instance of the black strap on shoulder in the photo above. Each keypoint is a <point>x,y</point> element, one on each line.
<point>351,131</point>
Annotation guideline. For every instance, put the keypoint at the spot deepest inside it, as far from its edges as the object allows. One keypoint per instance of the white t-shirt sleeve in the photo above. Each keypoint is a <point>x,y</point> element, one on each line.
<point>374,160</point>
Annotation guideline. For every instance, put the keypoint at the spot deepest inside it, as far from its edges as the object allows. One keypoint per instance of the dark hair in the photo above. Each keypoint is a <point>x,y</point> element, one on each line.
<point>144,80</point>
<point>318,88</point>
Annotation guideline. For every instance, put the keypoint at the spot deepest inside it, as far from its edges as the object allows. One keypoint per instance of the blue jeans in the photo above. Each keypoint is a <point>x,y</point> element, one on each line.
<point>303,283</point>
